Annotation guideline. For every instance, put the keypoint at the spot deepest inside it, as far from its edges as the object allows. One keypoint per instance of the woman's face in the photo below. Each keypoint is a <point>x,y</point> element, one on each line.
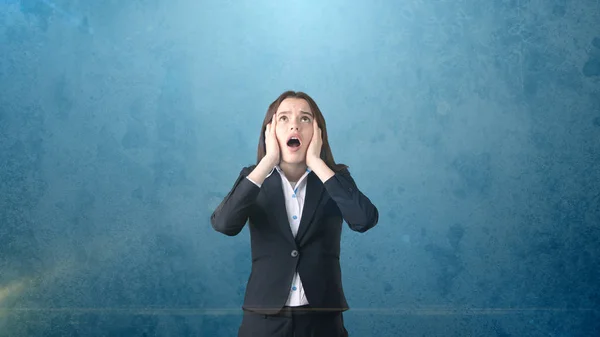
<point>294,129</point>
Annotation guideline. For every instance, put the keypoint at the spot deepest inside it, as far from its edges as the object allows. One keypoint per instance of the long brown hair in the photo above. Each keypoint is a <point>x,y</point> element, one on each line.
<point>326,154</point>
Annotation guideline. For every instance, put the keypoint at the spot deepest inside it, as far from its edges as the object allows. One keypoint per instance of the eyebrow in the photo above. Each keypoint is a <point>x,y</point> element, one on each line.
<point>302,112</point>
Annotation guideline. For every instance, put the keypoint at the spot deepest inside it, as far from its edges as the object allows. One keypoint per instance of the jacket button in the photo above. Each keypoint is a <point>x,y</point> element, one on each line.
<point>294,253</point>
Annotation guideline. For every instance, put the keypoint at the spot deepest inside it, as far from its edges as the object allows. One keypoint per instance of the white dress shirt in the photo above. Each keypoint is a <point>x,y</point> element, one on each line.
<point>294,194</point>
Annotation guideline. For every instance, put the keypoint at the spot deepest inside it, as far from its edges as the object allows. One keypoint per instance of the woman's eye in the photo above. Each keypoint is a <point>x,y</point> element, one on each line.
<point>282,118</point>
<point>306,119</point>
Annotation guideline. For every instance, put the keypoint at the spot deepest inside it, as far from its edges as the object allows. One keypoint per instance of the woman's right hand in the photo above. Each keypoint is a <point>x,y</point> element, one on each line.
<point>272,147</point>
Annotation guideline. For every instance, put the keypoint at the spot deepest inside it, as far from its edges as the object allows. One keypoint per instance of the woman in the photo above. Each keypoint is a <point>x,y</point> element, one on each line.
<point>294,200</point>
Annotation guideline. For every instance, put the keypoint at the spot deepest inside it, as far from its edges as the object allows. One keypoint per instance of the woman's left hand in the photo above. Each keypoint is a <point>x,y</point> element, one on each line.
<point>313,153</point>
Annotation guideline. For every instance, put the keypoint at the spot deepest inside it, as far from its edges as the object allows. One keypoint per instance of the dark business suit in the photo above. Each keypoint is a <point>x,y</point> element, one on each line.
<point>314,252</point>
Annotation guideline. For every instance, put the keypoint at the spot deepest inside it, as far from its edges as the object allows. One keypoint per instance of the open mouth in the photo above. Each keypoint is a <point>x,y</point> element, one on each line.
<point>293,142</point>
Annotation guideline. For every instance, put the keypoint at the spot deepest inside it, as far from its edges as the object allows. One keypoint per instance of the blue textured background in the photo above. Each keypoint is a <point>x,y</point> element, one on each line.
<point>474,126</point>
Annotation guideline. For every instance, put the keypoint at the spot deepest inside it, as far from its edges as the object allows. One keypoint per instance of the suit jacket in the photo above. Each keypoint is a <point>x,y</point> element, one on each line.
<point>314,252</point>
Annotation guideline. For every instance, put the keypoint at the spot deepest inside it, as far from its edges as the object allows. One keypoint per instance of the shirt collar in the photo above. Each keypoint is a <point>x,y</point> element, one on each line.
<point>278,168</point>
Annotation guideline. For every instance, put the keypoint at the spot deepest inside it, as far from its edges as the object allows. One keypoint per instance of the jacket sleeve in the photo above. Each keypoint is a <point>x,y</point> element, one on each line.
<point>232,213</point>
<point>357,210</point>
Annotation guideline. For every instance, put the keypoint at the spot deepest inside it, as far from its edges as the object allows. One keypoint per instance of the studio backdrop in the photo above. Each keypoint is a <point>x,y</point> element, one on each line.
<point>472,125</point>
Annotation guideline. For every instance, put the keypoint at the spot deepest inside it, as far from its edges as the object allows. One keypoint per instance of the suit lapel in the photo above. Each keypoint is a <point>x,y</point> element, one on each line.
<point>272,186</point>
<point>314,189</point>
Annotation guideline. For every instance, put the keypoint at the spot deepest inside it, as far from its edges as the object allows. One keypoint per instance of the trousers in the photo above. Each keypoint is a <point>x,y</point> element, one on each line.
<point>293,322</point>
